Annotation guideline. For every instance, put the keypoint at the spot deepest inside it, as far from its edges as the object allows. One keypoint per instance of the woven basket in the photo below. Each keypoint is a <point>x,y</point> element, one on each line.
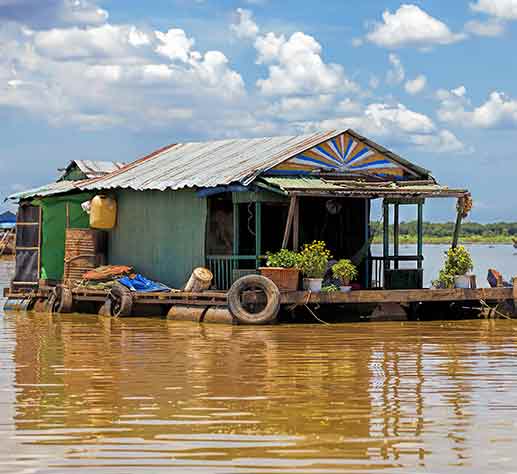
<point>285,278</point>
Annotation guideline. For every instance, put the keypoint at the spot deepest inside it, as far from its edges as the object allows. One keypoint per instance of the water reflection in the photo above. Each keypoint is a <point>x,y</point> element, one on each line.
<point>136,395</point>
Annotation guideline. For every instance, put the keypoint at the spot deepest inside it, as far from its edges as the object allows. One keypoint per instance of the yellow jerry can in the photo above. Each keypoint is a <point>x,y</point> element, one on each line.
<point>103,212</point>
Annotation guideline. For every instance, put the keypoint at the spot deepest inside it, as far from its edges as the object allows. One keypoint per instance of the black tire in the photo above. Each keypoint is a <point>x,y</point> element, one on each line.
<point>121,301</point>
<point>268,314</point>
<point>61,300</point>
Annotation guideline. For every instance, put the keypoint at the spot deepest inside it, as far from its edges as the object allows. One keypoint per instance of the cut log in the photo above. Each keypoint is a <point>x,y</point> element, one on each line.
<point>200,280</point>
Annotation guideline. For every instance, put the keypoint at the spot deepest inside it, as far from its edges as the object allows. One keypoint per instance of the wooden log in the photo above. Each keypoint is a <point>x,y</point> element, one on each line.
<point>200,280</point>
<point>289,223</point>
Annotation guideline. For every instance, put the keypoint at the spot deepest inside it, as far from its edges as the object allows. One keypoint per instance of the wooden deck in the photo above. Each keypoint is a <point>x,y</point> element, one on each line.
<point>217,298</point>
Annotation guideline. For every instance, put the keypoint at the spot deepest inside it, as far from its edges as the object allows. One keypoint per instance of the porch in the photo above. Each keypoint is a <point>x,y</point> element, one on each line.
<point>288,212</point>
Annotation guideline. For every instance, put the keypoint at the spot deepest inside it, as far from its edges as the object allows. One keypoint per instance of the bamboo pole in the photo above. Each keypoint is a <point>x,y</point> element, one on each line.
<point>289,223</point>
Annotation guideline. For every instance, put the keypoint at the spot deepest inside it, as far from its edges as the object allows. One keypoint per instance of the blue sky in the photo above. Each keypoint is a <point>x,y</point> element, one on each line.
<point>112,80</point>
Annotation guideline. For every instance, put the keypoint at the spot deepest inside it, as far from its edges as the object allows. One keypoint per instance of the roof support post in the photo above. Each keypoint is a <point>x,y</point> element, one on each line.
<point>235,228</point>
<point>420,231</point>
<point>258,232</point>
<point>296,226</point>
<point>396,233</point>
<point>289,223</point>
<point>386,234</point>
<point>457,226</point>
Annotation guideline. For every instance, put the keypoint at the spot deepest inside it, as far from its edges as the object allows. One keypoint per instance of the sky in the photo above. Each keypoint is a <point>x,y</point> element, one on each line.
<point>433,81</point>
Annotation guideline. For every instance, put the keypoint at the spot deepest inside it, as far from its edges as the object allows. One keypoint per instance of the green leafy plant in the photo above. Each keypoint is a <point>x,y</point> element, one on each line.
<point>283,258</point>
<point>458,262</point>
<point>329,289</point>
<point>314,259</point>
<point>345,271</point>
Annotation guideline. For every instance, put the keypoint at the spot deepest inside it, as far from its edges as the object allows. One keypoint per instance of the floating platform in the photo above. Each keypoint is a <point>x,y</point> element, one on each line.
<point>213,306</point>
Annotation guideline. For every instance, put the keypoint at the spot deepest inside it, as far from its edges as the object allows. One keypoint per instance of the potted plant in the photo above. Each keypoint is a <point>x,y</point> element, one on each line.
<point>454,272</point>
<point>313,264</point>
<point>345,271</point>
<point>281,268</point>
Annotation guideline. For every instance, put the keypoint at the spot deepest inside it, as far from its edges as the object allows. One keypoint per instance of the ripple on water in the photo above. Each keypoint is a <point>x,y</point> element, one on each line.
<point>149,395</point>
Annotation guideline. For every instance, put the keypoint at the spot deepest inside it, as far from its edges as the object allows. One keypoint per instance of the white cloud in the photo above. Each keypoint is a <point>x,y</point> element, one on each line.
<point>490,28</point>
<point>296,67</point>
<point>53,13</point>
<point>503,9</point>
<point>114,75</point>
<point>411,26</point>
<point>245,27</point>
<point>417,85</point>
<point>106,41</point>
<point>174,44</point>
<point>395,124</point>
<point>397,73</point>
<point>499,111</point>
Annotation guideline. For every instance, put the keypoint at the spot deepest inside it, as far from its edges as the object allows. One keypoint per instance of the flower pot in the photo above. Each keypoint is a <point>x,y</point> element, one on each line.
<point>286,279</point>
<point>345,289</point>
<point>312,284</point>
<point>462,281</point>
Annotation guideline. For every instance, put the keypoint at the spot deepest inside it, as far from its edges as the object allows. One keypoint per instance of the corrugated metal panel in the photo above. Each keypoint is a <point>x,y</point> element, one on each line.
<point>47,190</point>
<point>94,169</point>
<point>302,184</point>
<point>208,164</point>
<point>161,234</point>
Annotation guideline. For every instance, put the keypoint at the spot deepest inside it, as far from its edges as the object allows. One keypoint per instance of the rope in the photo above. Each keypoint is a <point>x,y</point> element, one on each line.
<point>495,310</point>
<point>306,304</point>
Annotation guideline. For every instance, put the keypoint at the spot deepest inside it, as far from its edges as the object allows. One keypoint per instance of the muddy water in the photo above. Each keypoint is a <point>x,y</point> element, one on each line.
<point>89,394</point>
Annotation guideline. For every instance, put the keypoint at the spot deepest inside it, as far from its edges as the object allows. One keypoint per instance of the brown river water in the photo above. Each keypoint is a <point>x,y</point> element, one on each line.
<point>91,394</point>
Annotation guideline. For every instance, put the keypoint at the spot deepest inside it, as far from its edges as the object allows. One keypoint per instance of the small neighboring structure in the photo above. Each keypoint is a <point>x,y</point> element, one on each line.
<point>224,204</point>
<point>44,213</point>
<point>87,169</point>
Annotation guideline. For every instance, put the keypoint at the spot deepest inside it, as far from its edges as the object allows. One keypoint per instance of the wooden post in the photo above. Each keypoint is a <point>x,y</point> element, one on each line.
<point>514,295</point>
<point>367,261</point>
<point>258,232</point>
<point>420,230</point>
<point>457,226</point>
<point>289,223</point>
<point>396,232</point>
<point>296,226</point>
<point>386,236</point>
<point>235,229</point>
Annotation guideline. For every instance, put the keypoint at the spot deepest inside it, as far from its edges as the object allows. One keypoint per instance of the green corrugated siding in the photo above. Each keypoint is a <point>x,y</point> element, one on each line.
<point>160,233</point>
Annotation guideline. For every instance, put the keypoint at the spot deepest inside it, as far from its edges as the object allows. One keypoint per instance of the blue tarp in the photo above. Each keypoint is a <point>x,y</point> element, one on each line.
<point>141,284</point>
<point>8,218</point>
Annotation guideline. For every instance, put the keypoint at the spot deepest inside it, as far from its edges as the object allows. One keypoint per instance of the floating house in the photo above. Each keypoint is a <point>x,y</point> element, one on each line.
<point>224,204</point>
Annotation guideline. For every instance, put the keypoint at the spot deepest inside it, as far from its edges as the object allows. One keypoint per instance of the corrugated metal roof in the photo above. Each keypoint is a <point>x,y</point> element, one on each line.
<point>47,190</point>
<point>93,169</point>
<point>313,185</point>
<point>209,164</point>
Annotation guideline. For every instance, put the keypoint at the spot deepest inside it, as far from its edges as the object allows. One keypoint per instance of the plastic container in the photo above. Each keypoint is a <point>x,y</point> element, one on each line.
<point>103,212</point>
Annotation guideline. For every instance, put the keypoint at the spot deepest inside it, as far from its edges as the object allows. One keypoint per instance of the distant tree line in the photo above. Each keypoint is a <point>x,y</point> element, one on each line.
<point>438,232</point>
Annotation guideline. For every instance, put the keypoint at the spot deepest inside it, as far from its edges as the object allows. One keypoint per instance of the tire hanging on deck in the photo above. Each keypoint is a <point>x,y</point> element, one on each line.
<point>61,300</point>
<point>268,314</point>
<point>121,301</point>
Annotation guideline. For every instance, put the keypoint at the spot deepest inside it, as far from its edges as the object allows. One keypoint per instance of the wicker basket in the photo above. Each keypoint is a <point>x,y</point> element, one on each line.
<point>285,278</point>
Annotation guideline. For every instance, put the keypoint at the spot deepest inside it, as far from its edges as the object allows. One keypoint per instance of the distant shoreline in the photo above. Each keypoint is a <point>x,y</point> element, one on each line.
<point>445,241</point>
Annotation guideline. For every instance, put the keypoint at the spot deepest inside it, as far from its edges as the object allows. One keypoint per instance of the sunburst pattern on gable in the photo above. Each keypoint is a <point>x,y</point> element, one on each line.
<point>345,154</point>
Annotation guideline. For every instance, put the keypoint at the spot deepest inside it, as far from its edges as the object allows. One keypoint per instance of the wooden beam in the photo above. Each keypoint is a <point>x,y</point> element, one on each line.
<point>289,223</point>
<point>235,228</point>
<point>386,235</point>
<point>258,232</point>
<point>399,296</point>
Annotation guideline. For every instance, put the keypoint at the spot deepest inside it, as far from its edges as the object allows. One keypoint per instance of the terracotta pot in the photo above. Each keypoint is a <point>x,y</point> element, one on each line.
<point>286,279</point>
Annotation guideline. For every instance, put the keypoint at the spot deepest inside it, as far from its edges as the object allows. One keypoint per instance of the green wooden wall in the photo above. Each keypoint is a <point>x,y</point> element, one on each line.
<point>160,233</point>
